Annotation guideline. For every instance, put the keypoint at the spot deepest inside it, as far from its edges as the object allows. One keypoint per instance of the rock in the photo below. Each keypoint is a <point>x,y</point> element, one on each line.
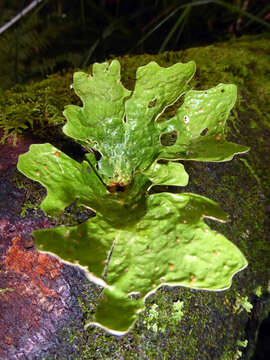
<point>38,293</point>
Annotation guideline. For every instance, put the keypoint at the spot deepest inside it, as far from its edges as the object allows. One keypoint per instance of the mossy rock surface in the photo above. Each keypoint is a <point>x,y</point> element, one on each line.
<point>212,323</point>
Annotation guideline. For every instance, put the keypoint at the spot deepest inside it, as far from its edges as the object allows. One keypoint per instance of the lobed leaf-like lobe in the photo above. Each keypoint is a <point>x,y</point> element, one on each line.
<point>87,244</point>
<point>65,179</point>
<point>200,124</point>
<point>170,245</point>
<point>156,88</point>
<point>171,173</point>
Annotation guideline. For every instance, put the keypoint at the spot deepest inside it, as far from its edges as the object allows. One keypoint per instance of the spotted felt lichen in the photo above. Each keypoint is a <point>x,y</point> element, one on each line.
<point>138,240</point>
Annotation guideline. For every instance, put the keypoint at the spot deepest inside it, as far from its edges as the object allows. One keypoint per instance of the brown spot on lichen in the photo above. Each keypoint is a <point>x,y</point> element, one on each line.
<point>116,187</point>
<point>192,280</point>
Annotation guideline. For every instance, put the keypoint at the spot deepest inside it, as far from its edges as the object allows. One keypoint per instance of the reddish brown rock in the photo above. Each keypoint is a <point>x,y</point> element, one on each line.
<point>38,293</point>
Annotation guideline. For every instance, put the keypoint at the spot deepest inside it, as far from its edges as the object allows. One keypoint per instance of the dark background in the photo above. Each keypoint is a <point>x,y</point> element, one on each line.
<point>62,34</point>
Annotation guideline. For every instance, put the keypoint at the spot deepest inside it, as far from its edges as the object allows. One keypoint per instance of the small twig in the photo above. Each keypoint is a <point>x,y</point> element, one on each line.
<point>237,25</point>
<point>240,19</point>
<point>19,16</point>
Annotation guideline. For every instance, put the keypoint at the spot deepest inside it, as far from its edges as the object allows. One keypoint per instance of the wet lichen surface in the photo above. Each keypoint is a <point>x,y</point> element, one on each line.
<point>212,322</point>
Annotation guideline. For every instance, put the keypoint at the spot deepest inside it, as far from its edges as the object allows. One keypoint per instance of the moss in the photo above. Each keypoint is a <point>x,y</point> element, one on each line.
<point>182,339</point>
<point>210,327</point>
<point>41,104</point>
<point>34,192</point>
<point>35,106</point>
